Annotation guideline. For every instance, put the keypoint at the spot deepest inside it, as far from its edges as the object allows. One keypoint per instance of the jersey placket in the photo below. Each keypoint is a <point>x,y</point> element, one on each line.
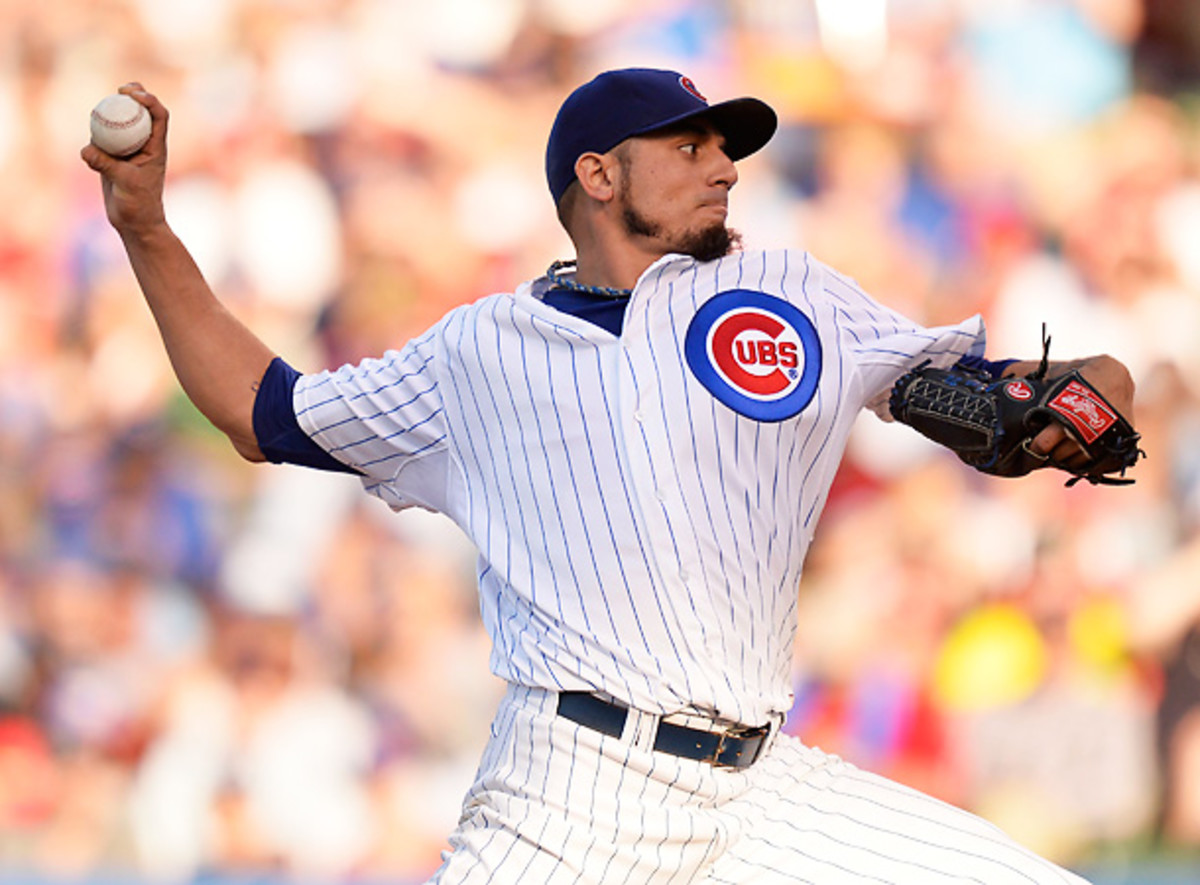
<point>653,413</point>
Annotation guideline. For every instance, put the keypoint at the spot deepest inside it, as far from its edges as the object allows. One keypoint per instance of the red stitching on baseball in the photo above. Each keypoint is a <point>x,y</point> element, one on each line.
<point>96,115</point>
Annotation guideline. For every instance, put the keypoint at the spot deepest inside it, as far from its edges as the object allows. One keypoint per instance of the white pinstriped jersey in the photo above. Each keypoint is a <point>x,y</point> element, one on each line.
<point>642,504</point>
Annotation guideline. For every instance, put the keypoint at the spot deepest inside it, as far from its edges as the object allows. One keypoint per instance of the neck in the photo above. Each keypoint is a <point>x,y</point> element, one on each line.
<point>556,272</point>
<point>613,265</point>
<point>609,256</point>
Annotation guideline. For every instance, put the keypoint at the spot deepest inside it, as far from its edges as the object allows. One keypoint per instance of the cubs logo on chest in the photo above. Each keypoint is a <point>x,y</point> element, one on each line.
<point>757,354</point>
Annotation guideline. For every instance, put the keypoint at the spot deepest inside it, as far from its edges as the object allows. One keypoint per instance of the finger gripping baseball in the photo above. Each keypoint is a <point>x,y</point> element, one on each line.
<point>989,423</point>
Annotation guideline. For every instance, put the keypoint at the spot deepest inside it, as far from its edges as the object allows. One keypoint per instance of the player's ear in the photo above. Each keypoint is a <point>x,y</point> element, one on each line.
<point>597,175</point>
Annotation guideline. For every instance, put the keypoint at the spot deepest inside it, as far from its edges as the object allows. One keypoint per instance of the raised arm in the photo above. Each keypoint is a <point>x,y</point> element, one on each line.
<point>218,360</point>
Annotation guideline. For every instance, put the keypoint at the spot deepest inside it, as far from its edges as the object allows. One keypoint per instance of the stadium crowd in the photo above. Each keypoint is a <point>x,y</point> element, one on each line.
<point>214,669</point>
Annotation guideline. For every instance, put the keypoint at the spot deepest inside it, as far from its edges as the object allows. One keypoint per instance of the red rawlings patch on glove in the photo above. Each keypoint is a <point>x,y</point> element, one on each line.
<point>1083,411</point>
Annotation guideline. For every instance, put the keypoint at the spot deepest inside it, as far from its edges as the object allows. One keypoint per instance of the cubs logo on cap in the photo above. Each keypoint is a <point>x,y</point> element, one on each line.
<point>757,354</point>
<point>690,86</point>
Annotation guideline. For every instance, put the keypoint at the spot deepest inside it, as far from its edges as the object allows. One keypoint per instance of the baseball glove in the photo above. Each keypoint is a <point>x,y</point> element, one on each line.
<point>989,422</point>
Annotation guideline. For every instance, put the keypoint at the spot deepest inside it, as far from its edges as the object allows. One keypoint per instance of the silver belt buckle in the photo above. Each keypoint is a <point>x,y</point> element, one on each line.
<point>740,732</point>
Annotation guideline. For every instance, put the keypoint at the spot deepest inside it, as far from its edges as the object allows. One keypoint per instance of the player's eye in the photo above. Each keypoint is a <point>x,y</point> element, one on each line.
<point>689,147</point>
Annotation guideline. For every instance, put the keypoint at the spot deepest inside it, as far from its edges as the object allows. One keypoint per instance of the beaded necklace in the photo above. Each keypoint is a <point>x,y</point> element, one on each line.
<point>560,282</point>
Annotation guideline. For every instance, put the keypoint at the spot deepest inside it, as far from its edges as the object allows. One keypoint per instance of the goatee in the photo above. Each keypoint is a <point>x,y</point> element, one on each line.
<point>711,243</point>
<point>707,244</point>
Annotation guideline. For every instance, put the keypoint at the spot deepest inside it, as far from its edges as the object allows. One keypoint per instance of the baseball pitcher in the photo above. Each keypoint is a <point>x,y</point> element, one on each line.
<point>640,443</point>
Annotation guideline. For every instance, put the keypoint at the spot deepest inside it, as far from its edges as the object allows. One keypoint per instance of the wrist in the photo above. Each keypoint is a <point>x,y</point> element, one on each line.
<point>144,233</point>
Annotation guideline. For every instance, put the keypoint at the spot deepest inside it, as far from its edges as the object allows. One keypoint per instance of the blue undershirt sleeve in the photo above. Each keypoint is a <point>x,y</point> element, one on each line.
<point>995,368</point>
<point>276,429</point>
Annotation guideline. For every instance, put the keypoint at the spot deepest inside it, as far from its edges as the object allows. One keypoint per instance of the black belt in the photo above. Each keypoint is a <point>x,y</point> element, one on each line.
<point>736,747</point>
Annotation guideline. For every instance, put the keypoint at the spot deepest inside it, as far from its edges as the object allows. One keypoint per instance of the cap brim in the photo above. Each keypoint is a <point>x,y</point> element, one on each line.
<point>747,124</point>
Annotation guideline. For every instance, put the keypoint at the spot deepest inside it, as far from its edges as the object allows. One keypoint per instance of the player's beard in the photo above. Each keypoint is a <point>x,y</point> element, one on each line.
<point>704,244</point>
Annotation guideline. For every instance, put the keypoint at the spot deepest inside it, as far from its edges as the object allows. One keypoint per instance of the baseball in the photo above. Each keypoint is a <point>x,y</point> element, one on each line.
<point>120,125</point>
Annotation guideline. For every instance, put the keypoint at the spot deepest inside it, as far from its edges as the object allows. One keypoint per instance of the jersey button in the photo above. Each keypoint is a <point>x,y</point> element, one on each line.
<point>639,416</point>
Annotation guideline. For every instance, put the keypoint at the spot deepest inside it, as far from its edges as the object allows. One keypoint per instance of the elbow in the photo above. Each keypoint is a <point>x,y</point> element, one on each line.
<point>248,449</point>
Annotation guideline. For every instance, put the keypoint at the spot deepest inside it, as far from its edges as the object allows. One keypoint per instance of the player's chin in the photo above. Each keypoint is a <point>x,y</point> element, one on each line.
<point>710,242</point>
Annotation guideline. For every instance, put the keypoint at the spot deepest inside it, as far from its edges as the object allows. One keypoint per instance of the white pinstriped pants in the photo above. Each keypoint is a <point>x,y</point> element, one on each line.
<point>555,802</point>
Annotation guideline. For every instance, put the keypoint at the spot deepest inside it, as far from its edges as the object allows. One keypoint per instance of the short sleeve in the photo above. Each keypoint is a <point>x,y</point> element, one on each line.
<point>382,417</point>
<point>886,344</point>
<point>276,430</point>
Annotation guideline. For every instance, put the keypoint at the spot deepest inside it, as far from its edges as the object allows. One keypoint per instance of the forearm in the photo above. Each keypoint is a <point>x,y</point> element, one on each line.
<point>1055,367</point>
<point>1109,375</point>
<point>216,358</point>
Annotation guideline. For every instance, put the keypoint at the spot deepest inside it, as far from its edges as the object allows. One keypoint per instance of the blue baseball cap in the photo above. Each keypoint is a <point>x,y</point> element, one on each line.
<point>617,105</point>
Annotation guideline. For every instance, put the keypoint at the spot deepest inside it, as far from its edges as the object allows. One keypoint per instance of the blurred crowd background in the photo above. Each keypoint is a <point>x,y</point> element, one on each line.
<point>223,672</point>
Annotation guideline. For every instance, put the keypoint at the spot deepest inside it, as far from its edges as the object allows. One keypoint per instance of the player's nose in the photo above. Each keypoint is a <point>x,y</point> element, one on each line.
<point>724,171</point>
